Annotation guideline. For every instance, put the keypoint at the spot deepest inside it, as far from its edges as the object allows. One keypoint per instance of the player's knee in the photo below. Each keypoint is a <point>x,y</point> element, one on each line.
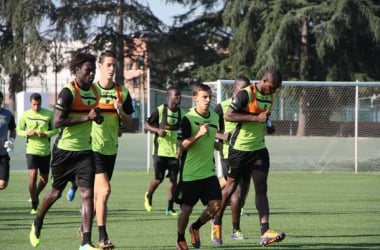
<point>214,207</point>
<point>3,184</point>
<point>261,189</point>
<point>104,192</point>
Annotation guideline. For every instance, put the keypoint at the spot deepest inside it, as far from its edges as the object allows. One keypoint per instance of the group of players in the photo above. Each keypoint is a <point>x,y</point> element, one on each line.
<point>184,144</point>
<point>87,117</point>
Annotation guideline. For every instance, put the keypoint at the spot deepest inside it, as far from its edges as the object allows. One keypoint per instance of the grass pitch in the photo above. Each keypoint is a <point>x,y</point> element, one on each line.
<point>316,210</point>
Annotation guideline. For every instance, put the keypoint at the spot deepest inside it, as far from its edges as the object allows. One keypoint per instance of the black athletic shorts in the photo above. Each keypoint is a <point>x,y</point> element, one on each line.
<point>189,192</point>
<point>104,164</point>
<point>75,166</point>
<point>241,163</point>
<point>4,167</point>
<point>225,167</point>
<point>42,163</point>
<point>162,163</point>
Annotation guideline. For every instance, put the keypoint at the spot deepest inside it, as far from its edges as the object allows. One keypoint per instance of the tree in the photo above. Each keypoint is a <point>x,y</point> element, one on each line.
<point>335,40</point>
<point>22,49</point>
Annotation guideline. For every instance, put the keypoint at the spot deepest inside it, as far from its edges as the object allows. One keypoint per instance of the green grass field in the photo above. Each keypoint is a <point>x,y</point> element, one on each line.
<point>328,210</point>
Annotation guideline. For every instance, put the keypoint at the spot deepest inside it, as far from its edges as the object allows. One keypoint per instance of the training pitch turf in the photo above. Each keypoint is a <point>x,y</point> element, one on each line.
<point>316,210</point>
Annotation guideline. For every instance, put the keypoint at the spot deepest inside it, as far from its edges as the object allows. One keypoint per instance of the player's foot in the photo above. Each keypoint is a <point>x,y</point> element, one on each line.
<point>88,246</point>
<point>216,233</point>
<point>34,236</point>
<point>171,212</point>
<point>147,203</point>
<point>34,211</point>
<point>195,239</point>
<point>238,235</point>
<point>182,245</point>
<point>271,236</point>
<point>70,194</point>
<point>106,244</point>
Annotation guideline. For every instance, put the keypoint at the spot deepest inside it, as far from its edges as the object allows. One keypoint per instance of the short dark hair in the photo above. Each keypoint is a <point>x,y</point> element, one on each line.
<point>106,53</point>
<point>35,96</point>
<point>200,87</point>
<point>78,59</point>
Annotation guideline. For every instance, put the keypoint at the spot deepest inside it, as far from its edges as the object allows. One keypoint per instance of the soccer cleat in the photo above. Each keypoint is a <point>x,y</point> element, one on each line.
<point>182,245</point>
<point>88,246</point>
<point>171,212</point>
<point>33,211</point>
<point>238,235</point>
<point>34,239</point>
<point>271,236</point>
<point>106,244</point>
<point>195,239</point>
<point>147,203</point>
<point>70,194</point>
<point>216,233</point>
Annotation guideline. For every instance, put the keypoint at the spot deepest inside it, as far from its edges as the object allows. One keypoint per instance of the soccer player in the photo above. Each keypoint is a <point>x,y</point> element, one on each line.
<point>7,139</point>
<point>164,123</point>
<point>238,197</point>
<point>115,105</point>
<point>248,154</point>
<point>197,177</point>
<point>36,124</point>
<point>72,155</point>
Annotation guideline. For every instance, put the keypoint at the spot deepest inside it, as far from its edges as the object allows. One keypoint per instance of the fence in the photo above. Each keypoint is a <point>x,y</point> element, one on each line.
<point>320,126</point>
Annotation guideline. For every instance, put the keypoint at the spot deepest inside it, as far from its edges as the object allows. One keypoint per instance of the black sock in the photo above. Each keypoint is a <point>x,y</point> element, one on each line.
<point>150,197</point>
<point>34,204</point>
<point>38,225</point>
<point>86,238</point>
<point>170,205</point>
<point>264,227</point>
<point>217,220</point>
<point>196,225</point>
<point>180,237</point>
<point>102,233</point>
<point>235,226</point>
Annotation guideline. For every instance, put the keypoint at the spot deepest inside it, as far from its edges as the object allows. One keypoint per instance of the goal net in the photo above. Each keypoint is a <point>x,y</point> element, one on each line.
<point>321,126</point>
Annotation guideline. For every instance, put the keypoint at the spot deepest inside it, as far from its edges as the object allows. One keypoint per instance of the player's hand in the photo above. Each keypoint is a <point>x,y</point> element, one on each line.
<point>203,129</point>
<point>262,117</point>
<point>118,105</point>
<point>9,144</point>
<point>161,132</point>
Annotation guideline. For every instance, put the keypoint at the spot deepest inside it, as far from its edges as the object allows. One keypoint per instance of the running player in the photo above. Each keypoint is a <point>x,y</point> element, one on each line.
<point>72,155</point>
<point>164,123</point>
<point>248,155</point>
<point>198,180</point>
<point>36,124</point>
<point>238,197</point>
<point>115,105</point>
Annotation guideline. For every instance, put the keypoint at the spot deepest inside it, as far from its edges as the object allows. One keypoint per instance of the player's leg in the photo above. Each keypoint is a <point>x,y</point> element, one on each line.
<point>237,200</point>
<point>33,173</point>
<point>187,197</point>
<point>173,165</point>
<point>85,179</point>
<point>4,171</point>
<point>44,168</point>
<point>259,175</point>
<point>159,175</point>
<point>104,166</point>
